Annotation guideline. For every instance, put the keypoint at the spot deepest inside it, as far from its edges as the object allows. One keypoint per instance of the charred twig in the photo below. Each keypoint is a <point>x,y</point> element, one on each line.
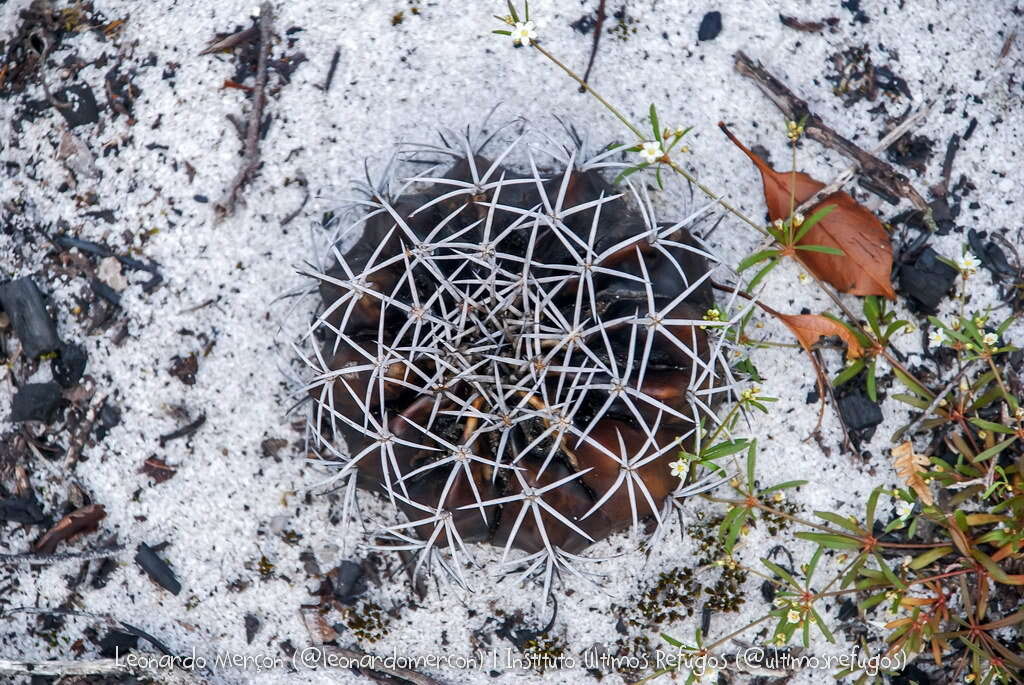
<point>884,143</point>
<point>598,26</point>
<point>331,70</point>
<point>184,431</point>
<point>879,172</point>
<point>55,558</point>
<point>226,207</point>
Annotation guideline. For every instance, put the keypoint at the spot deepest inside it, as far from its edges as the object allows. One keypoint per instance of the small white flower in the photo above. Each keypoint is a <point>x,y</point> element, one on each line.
<point>904,509</point>
<point>936,337</point>
<point>679,468</point>
<point>524,32</point>
<point>990,339</point>
<point>793,616</point>
<point>651,152</point>
<point>968,263</point>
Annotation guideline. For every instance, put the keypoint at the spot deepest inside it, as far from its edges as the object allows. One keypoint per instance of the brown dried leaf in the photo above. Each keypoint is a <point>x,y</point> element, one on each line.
<point>808,328</point>
<point>909,467</point>
<point>157,469</point>
<point>865,267</point>
<point>84,520</point>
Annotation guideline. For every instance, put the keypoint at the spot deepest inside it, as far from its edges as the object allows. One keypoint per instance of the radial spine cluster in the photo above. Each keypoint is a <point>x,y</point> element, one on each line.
<point>515,358</point>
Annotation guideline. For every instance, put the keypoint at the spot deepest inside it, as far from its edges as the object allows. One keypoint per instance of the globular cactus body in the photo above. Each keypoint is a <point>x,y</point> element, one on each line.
<point>516,359</point>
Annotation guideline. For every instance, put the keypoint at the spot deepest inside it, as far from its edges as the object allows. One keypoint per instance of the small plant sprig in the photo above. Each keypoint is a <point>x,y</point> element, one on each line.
<point>883,324</point>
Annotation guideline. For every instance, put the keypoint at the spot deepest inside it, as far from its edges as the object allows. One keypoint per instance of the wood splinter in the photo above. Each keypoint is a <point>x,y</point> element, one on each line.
<point>226,207</point>
<point>879,172</point>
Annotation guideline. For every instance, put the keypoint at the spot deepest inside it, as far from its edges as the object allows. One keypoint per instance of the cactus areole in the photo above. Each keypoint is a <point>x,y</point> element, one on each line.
<point>515,359</point>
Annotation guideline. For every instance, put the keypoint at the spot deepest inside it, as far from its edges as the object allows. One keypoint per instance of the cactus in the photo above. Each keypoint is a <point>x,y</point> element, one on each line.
<point>515,358</point>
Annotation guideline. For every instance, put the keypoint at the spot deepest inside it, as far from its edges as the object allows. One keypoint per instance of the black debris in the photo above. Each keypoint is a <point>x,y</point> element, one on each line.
<point>927,280</point>
<point>185,368</point>
<point>710,26</point>
<point>69,366</point>
<point>157,569</point>
<point>23,302</point>
<point>348,581</point>
<point>35,402</point>
<point>103,573</point>
<point>184,431</point>
<point>860,414</point>
<point>252,626</point>
<point>116,644</point>
<point>77,105</point>
<point>110,416</point>
<point>991,255</point>
<point>21,510</point>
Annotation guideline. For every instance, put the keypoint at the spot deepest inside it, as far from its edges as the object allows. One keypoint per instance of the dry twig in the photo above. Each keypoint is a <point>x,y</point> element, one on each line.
<point>881,173</point>
<point>226,207</point>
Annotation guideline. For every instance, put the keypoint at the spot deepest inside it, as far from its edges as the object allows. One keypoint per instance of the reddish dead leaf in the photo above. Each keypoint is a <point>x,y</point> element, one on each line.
<point>157,469</point>
<point>865,266</point>
<point>909,467</point>
<point>80,521</point>
<point>808,328</point>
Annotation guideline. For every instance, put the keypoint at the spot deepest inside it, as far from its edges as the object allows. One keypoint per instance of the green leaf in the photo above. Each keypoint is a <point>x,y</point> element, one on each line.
<point>724,449</point>
<point>996,449</point>
<point>825,249</point>
<point>813,563</point>
<point>781,573</point>
<point>655,125</point>
<point>671,640</point>
<point>927,558</point>
<point>831,541</point>
<point>913,385</point>
<point>848,373</point>
<point>751,464</point>
<point>762,273</point>
<point>992,426</point>
<point>872,505</point>
<point>783,486</point>
<point>872,312</point>
<point>810,221</point>
<point>753,259</point>
<point>889,575</point>
<point>870,383</point>
<point>502,33</point>
<point>840,521</point>
<point>630,171</point>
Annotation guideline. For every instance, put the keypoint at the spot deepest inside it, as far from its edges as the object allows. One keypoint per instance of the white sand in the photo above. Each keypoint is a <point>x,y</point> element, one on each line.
<point>442,67</point>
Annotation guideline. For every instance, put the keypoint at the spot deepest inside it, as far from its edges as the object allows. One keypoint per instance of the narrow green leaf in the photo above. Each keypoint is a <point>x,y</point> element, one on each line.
<point>830,540</point>
<point>825,249</point>
<point>813,219</point>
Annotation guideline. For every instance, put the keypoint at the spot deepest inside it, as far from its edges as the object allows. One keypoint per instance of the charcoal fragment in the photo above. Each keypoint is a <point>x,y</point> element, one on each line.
<point>847,610</point>
<point>991,256</point>
<point>860,414</point>
<point>110,416</point>
<point>69,366</point>
<point>116,643</point>
<point>35,402</point>
<point>252,626</point>
<point>927,280</point>
<point>23,302</point>
<point>349,581</point>
<point>81,106</point>
<point>157,569</point>
<point>21,510</point>
<point>185,368</point>
<point>710,26</point>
